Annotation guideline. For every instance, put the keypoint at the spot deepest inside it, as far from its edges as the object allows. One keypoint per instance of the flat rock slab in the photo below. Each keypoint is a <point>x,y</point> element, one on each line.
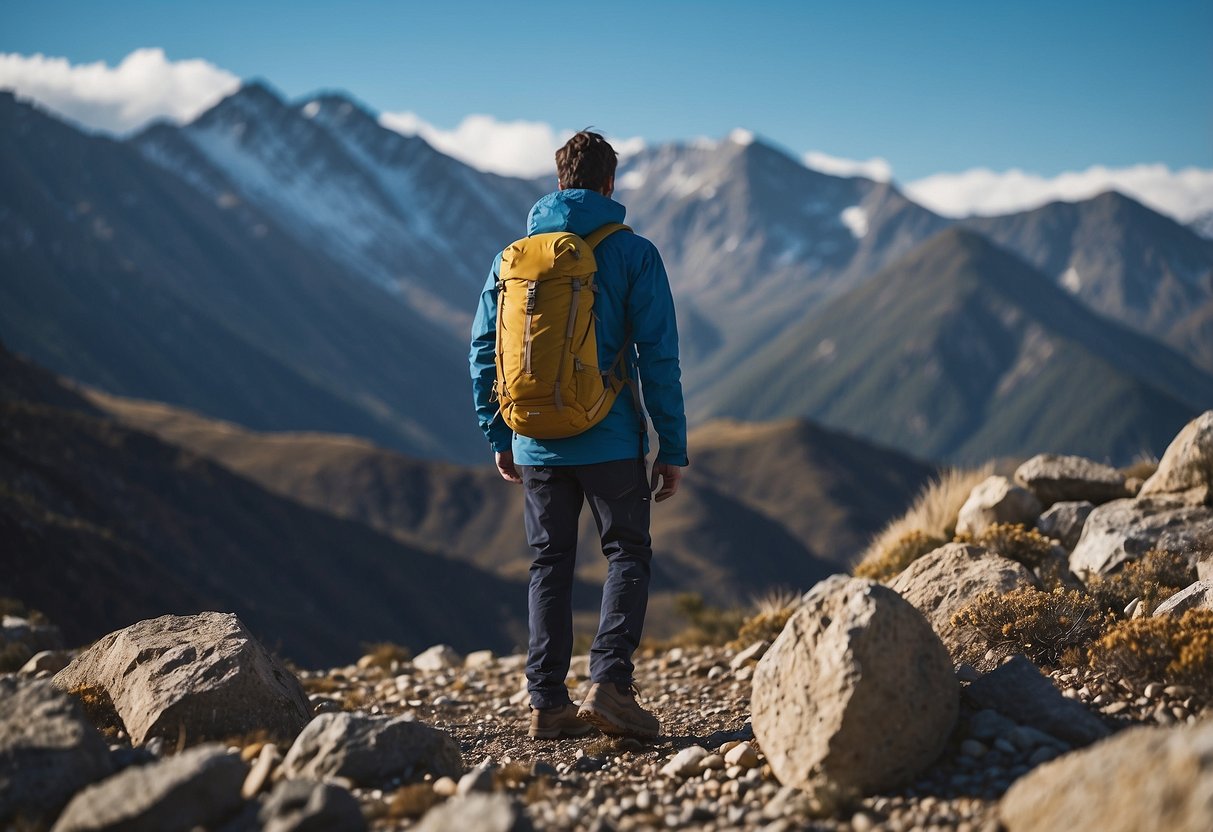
<point>1198,596</point>
<point>943,582</point>
<point>370,750</point>
<point>997,500</point>
<point>1019,691</point>
<point>197,788</point>
<point>1055,478</point>
<point>1186,469</point>
<point>1063,522</point>
<point>202,674</point>
<point>856,694</point>
<point>1124,530</point>
<point>48,750</point>
<point>1143,778</point>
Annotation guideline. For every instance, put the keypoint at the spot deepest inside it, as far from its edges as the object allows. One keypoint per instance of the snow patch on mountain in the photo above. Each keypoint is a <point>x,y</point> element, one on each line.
<point>855,219</point>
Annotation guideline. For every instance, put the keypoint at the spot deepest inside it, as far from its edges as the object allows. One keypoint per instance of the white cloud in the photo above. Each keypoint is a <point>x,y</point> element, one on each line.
<point>146,85</point>
<point>876,168</point>
<point>513,148</point>
<point>1183,194</point>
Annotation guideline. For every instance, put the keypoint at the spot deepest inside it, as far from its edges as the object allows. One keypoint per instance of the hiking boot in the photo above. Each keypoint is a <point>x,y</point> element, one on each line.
<point>614,710</point>
<point>550,723</point>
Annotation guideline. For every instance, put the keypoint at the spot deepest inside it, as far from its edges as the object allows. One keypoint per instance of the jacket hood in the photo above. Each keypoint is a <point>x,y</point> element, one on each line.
<point>576,210</point>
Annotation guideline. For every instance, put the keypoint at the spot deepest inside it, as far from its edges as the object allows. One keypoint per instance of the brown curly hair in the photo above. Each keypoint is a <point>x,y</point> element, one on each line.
<point>586,161</point>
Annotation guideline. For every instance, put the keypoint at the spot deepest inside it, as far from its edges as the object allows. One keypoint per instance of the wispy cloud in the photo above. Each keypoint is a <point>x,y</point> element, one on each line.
<point>513,148</point>
<point>876,168</point>
<point>1184,194</point>
<point>146,85</point>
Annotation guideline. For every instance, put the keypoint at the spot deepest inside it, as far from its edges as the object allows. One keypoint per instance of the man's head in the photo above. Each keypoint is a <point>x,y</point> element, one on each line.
<point>587,161</point>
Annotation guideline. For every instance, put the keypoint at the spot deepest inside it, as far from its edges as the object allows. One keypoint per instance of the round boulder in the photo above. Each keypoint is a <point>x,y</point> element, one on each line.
<point>997,500</point>
<point>1186,469</point>
<point>856,694</point>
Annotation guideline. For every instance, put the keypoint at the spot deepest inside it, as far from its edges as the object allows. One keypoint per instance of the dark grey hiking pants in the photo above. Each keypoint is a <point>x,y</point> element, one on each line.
<point>618,495</point>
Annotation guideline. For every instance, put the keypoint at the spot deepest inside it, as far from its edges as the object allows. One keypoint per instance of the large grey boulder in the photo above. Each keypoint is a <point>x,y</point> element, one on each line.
<point>1142,778</point>
<point>1063,522</point>
<point>1055,478</point>
<point>1018,690</point>
<point>856,694</point>
<point>1124,530</point>
<point>371,749</point>
<point>199,787</point>
<point>309,806</point>
<point>997,500</point>
<point>1186,469</point>
<point>202,674</point>
<point>48,750</point>
<point>943,582</point>
<point>1198,596</point>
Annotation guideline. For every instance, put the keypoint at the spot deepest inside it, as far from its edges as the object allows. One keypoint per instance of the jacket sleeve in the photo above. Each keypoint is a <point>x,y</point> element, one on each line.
<point>655,332</point>
<point>483,363</point>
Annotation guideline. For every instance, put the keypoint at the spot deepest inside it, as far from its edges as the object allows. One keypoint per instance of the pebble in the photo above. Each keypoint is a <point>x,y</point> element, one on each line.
<point>686,762</point>
<point>260,772</point>
<point>743,755</point>
<point>445,787</point>
<point>973,748</point>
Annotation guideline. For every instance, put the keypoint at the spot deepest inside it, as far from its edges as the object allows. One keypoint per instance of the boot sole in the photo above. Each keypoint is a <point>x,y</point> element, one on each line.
<point>609,725</point>
<point>557,733</point>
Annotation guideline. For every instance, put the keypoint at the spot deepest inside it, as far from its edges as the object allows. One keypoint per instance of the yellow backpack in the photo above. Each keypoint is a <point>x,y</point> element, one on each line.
<point>548,379</point>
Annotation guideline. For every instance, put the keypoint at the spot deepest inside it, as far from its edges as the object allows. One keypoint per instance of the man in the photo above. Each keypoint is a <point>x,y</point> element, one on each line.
<point>604,466</point>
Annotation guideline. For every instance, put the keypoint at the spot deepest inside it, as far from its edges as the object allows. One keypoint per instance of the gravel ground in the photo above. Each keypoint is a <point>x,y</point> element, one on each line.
<point>597,782</point>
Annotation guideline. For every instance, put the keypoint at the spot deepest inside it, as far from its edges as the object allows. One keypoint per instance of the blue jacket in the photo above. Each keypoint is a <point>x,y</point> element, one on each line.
<point>632,288</point>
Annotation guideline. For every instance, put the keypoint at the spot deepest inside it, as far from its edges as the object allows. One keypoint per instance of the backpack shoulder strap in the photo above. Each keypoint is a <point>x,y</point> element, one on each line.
<point>599,234</point>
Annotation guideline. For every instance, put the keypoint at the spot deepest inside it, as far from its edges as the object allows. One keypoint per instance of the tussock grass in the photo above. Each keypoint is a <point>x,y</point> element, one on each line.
<point>1142,467</point>
<point>932,517</point>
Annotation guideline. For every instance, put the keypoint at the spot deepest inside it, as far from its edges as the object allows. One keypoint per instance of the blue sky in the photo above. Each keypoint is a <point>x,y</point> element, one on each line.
<point>928,86</point>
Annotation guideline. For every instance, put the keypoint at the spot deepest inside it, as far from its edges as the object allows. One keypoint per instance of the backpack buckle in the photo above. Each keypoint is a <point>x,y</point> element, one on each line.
<point>530,297</point>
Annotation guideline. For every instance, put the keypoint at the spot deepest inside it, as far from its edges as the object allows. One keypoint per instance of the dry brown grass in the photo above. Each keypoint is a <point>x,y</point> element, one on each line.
<point>892,560</point>
<point>1143,467</point>
<point>707,625</point>
<point>1014,541</point>
<point>385,655</point>
<point>412,801</point>
<point>1153,578</point>
<point>99,709</point>
<point>1170,649</point>
<point>932,516</point>
<point>1043,626</point>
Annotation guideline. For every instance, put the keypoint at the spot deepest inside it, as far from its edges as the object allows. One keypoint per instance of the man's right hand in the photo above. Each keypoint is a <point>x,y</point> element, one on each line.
<point>505,467</point>
<point>669,476</point>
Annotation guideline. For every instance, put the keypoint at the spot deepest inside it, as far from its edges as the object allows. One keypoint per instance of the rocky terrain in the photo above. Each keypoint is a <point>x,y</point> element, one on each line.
<point>1004,680</point>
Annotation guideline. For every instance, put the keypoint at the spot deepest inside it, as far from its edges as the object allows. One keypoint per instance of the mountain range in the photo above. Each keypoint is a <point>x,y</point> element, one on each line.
<point>297,266</point>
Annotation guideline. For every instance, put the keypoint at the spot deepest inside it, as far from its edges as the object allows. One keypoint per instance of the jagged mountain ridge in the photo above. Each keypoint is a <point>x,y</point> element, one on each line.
<point>389,207</point>
<point>1119,257</point>
<point>961,350</point>
<point>122,275</point>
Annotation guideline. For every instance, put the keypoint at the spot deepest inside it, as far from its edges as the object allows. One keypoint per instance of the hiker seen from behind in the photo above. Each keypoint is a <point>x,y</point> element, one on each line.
<point>575,320</point>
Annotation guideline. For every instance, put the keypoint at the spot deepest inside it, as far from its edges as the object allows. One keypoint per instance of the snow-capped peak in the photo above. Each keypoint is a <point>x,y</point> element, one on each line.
<point>741,136</point>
